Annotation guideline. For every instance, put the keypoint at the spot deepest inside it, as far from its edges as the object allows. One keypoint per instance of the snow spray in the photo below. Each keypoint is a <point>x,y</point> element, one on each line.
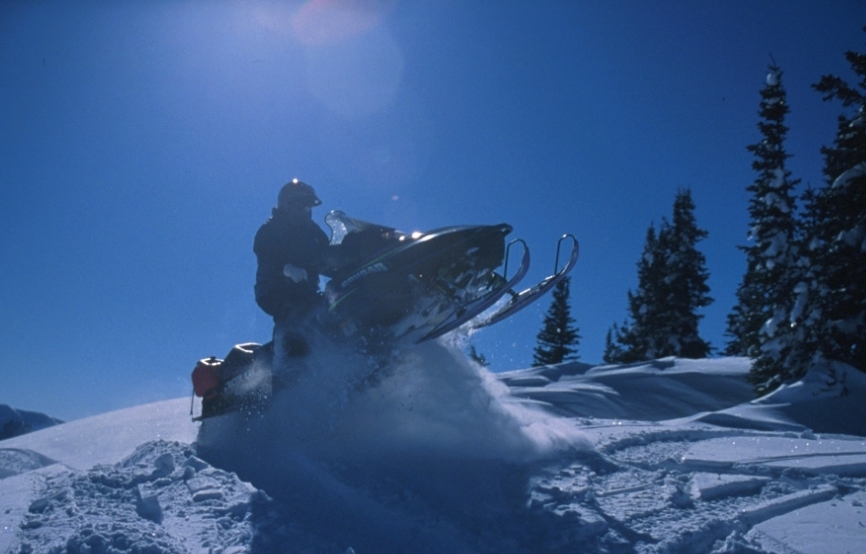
<point>349,437</point>
<point>429,400</point>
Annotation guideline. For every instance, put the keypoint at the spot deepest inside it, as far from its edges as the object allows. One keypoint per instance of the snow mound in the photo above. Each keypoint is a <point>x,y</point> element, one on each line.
<point>828,399</point>
<point>14,461</point>
<point>161,500</point>
<point>661,389</point>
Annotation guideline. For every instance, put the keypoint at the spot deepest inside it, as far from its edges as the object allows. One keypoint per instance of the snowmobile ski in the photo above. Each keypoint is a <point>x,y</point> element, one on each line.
<point>520,300</point>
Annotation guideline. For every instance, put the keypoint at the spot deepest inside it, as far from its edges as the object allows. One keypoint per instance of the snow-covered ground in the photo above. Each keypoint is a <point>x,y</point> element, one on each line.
<point>438,455</point>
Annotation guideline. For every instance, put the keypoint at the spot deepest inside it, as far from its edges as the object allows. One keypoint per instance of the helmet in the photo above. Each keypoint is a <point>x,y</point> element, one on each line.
<point>297,193</point>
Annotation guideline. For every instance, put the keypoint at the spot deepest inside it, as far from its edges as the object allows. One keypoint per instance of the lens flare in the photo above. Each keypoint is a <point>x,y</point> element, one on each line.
<point>329,22</point>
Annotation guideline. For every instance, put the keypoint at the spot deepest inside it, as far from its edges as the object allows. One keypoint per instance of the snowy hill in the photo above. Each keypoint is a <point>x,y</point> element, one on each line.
<point>711,391</point>
<point>669,456</point>
<point>653,391</point>
<point>18,422</point>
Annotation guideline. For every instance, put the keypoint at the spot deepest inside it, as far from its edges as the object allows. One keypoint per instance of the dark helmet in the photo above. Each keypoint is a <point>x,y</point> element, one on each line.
<point>297,193</point>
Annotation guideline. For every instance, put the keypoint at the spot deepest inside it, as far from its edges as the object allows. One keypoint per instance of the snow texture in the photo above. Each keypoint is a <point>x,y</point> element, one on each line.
<point>437,455</point>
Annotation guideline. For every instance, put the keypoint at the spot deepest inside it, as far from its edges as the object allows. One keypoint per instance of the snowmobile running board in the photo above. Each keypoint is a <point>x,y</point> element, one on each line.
<point>520,300</point>
<point>480,305</point>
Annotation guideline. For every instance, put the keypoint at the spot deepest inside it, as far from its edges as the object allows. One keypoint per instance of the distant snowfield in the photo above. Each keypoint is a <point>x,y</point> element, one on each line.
<point>670,456</point>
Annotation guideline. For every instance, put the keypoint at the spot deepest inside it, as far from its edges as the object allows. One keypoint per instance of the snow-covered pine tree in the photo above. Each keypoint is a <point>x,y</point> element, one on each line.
<point>834,297</point>
<point>828,320</point>
<point>558,338</point>
<point>765,295</point>
<point>672,285</point>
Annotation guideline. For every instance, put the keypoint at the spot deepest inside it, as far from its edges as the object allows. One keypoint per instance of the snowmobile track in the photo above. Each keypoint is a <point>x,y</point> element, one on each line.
<point>644,493</point>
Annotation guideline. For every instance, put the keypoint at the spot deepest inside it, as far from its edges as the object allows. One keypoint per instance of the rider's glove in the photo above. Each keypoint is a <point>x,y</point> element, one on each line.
<point>296,274</point>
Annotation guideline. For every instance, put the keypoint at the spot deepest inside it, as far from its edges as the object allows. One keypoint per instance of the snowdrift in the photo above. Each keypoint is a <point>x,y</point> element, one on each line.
<point>667,456</point>
<point>652,391</point>
<point>829,399</point>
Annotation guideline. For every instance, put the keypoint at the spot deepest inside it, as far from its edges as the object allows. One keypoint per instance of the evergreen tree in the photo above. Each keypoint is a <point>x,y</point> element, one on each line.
<point>764,298</point>
<point>828,319</point>
<point>839,216</point>
<point>672,285</point>
<point>558,338</point>
<point>685,280</point>
<point>613,352</point>
<point>837,213</point>
<point>636,340</point>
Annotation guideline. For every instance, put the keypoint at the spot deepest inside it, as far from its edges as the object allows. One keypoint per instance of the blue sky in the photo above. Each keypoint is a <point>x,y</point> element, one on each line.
<point>143,143</point>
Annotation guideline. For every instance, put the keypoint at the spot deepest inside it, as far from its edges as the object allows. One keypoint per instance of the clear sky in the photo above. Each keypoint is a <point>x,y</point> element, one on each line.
<point>143,143</point>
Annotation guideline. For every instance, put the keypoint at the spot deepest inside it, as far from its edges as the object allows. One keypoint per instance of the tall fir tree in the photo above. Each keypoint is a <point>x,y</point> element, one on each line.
<point>837,235</point>
<point>764,297</point>
<point>686,279</point>
<point>635,340</point>
<point>672,285</point>
<point>839,213</point>
<point>559,337</point>
<point>828,320</point>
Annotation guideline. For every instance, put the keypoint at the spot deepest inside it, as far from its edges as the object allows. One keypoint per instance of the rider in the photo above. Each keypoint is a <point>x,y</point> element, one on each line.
<point>291,251</point>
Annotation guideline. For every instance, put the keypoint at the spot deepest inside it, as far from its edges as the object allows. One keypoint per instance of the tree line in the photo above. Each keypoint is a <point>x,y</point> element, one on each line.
<point>802,298</point>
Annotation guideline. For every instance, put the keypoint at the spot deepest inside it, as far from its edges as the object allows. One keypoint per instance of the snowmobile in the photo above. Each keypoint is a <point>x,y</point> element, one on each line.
<point>391,288</point>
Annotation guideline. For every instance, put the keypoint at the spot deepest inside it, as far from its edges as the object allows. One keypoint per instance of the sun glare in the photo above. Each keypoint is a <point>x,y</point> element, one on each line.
<point>329,22</point>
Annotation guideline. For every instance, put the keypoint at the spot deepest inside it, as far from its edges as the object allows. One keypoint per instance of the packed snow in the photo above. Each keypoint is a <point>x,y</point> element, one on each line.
<point>435,454</point>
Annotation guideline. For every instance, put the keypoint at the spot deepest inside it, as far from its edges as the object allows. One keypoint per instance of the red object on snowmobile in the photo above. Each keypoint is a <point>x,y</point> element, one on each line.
<point>206,377</point>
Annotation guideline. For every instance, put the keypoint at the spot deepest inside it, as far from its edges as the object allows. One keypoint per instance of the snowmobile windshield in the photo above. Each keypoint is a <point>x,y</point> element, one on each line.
<point>342,225</point>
